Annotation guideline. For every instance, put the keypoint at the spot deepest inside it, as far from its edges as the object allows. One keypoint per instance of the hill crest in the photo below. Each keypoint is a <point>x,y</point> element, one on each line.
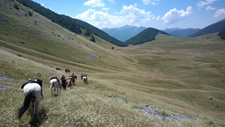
<point>69,23</point>
<point>148,34</point>
<point>124,33</point>
<point>213,28</point>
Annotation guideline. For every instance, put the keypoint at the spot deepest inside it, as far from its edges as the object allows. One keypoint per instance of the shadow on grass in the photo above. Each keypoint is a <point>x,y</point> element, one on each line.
<point>42,117</point>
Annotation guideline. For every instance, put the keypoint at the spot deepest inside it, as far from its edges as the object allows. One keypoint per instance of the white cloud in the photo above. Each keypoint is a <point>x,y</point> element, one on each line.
<point>105,9</point>
<point>220,13</point>
<point>112,1</point>
<point>147,2</point>
<point>204,3</point>
<point>94,3</point>
<point>175,15</point>
<point>209,8</point>
<point>129,15</point>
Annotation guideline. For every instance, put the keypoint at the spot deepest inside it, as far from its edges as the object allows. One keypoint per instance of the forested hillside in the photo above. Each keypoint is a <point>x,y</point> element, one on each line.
<point>69,23</point>
<point>145,36</point>
<point>222,34</point>
<point>213,28</point>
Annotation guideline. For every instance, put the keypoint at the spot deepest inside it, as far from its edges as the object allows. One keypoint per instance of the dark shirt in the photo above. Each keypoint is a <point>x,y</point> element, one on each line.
<point>28,81</point>
<point>53,78</point>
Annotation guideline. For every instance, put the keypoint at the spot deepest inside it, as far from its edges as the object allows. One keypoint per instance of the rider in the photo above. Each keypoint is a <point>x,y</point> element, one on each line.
<point>28,81</point>
<point>31,81</point>
<point>57,80</point>
<point>85,78</point>
<point>63,80</point>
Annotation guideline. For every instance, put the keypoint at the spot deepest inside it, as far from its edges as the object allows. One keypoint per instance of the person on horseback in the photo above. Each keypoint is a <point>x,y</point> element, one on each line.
<point>85,79</point>
<point>32,90</point>
<point>63,80</point>
<point>31,81</point>
<point>81,76</point>
<point>28,81</point>
<point>54,83</point>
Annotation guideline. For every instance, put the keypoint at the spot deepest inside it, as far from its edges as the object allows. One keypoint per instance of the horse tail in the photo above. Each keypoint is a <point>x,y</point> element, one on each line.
<point>26,104</point>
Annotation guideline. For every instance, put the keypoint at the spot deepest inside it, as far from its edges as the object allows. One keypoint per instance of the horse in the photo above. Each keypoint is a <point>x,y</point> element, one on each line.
<point>70,80</point>
<point>54,81</point>
<point>33,94</point>
<point>63,80</point>
<point>67,70</point>
<point>84,78</point>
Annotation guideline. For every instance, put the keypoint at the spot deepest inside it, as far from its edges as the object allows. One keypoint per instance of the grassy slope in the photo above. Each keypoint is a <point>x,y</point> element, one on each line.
<point>145,36</point>
<point>39,34</point>
<point>170,73</point>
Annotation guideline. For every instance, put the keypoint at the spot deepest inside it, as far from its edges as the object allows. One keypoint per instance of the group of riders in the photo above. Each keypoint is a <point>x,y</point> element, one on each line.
<point>32,90</point>
<point>65,82</point>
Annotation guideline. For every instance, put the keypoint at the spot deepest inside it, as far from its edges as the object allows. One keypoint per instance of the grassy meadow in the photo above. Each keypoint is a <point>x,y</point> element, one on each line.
<point>170,74</point>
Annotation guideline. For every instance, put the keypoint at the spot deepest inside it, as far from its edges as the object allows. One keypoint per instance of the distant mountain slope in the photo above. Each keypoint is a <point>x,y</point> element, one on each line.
<point>181,32</point>
<point>124,33</point>
<point>27,32</point>
<point>145,36</point>
<point>100,33</point>
<point>222,34</point>
<point>213,28</point>
<point>69,23</point>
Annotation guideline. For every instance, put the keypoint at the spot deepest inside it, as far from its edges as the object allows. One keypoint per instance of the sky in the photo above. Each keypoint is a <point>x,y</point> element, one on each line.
<point>159,14</point>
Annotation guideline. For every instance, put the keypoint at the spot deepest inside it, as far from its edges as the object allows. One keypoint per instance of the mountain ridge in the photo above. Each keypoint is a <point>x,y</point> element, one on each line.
<point>213,28</point>
<point>146,35</point>
<point>124,33</point>
<point>181,32</point>
<point>69,23</point>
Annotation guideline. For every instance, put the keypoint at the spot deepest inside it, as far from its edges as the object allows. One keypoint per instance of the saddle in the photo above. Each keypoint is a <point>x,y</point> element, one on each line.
<point>28,81</point>
<point>54,78</point>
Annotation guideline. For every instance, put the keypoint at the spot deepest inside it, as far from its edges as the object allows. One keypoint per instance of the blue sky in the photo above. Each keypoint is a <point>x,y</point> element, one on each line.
<point>158,14</point>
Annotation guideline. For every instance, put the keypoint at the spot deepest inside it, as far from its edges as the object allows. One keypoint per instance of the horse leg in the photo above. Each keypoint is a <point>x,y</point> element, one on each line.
<point>51,87</point>
<point>30,109</point>
<point>57,90</point>
<point>36,109</point>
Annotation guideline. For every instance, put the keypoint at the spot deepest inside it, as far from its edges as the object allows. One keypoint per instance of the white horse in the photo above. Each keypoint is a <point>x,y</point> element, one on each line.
<point>56,84</point>
<point>33,94</point>
<point>85,79</point>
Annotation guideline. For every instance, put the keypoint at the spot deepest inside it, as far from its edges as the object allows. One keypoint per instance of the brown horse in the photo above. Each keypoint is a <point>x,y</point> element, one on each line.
<point>67,70</point>
<point>71,81</point>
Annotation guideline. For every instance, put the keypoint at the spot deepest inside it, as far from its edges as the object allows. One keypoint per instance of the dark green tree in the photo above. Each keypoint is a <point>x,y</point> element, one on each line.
<point>93,38</point>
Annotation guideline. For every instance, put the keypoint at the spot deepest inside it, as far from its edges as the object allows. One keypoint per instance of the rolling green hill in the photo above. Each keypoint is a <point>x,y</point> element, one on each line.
<point>69,23</point>
<point>35,32</point>
<point>213,28</point>
<point>145,36</point>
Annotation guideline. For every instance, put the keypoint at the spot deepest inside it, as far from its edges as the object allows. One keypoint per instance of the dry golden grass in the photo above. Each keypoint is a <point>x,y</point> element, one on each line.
<point>171,75</point>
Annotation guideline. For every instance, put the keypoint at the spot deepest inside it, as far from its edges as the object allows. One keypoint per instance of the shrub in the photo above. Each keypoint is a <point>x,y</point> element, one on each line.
<point>92,39</point>
<point>16,6</point>
<point>222,34</point>
<point>88,33</point>
<point>210,122</point>
<point>30,13</point>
